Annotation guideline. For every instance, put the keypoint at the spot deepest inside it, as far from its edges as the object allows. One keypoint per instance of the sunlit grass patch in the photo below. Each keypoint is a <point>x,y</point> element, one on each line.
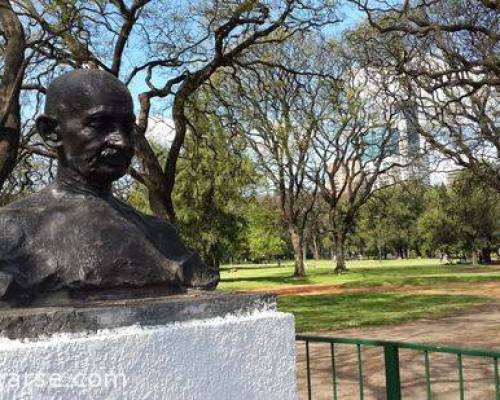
<point>329,312</point>
<point>366,273</point>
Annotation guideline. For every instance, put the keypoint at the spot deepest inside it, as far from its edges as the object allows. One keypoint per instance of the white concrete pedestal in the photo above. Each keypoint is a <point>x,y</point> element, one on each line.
<point>234,356</point>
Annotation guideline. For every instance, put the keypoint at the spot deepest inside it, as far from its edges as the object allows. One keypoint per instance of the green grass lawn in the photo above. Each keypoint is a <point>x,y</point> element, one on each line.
<point>328,312</point>
<point>337,311</point>
<point>362,274</point>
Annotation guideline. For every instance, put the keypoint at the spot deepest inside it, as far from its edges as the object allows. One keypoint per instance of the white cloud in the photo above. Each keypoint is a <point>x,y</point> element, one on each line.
<point>160,130</point>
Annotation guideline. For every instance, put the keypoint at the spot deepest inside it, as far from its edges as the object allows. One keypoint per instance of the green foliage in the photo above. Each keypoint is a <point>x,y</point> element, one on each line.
<point>25,180</point>
<point>475,210</point>
<point>138,198</point>
<point>463,218</point>
<point>436,227</point>
<point>212,182</point>
<point>388,221</point>
<point>460,219</point>
<point>264,233</point>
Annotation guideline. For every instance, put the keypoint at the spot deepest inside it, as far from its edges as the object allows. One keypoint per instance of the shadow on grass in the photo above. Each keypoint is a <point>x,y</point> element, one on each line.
<point>371,277</point>
<point>418,280</point>
<point>292,280</point>
<point>251,267</point>
<point>385,276</point>
<point>393,270</point>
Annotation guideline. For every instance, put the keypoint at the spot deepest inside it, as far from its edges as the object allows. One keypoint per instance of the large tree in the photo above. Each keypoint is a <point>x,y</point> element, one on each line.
<point>357,147</point>
<point>277,110</point>
<point>12,66</point>
<point>390,220</point>
<point>226,32</point>
<point>436,227</point>
<point>165,52</point>
<point>264,231</point>
<point>214,185</point>
<point>443,56</point>
<point>475,208</point>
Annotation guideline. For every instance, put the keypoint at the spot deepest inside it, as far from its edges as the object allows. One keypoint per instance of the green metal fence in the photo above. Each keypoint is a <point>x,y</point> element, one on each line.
<point>392,366</point>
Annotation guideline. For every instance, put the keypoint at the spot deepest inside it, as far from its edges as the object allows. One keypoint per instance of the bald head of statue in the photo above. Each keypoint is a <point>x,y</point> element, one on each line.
<point>89,120</point>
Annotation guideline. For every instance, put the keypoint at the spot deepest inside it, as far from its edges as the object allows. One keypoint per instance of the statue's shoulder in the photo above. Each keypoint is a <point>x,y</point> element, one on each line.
<point>146,218</point>
<point>14,224</point>
<point>22,217</point>
<point>155,227</point>
<point>159,223</point>
<point>26,206</point>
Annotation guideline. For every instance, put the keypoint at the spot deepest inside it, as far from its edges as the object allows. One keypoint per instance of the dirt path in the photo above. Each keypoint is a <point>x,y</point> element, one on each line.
<point>490,289</point>
<point>477,327</point>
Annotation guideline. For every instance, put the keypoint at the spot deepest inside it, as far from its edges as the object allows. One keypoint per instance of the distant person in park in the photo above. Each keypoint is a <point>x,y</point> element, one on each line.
<point>74,235</point>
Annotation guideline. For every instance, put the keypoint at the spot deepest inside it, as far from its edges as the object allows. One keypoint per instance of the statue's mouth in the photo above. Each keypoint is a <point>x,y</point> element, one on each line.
<point>115,158</point>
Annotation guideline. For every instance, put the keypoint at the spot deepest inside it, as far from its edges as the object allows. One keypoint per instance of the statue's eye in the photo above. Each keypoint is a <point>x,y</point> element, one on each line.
<point>97,123</point>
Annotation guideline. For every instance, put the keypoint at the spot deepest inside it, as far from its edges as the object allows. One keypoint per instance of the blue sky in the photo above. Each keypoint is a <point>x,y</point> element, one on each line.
<point>349,14</point>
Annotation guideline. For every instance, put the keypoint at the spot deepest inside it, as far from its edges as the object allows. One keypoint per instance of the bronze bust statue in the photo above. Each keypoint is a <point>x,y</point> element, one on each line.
<point>74,235</point>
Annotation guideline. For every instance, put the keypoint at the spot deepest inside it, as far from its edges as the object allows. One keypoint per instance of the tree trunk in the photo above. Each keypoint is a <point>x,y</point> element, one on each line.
<point>298,254</point>
<point>340,253</point>
<point>215,262</point>
<point>152,175</point>
<point>316,248</point>
<point>400,252</point>
<point>161,206</point>
<point>10,87</point>
<point>486,256</point>
<point>474,257</point>
<point>418,251</point>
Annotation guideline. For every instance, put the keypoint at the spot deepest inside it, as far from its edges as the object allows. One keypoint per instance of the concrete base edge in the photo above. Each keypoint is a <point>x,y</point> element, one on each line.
<point>248,356</point>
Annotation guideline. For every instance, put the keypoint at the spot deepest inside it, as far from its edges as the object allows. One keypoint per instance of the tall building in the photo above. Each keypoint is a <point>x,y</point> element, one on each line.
<point>405,147</point>
<point>402,146</point>
<point>413,151</point>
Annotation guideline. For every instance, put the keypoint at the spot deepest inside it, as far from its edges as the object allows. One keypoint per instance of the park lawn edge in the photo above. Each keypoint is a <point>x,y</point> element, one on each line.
<point>435,306</point>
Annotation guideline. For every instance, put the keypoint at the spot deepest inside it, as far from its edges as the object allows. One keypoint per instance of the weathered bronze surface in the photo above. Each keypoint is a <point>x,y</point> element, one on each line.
<point>74,235</point>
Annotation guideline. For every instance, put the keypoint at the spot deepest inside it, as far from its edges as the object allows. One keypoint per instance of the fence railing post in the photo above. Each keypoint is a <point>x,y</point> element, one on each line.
<point>392,368</point>
<point>392,378</point>
<point>308,371</point>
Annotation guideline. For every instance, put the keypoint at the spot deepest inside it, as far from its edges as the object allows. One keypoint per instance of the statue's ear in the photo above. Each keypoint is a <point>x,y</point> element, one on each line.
<point>47,128</point>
